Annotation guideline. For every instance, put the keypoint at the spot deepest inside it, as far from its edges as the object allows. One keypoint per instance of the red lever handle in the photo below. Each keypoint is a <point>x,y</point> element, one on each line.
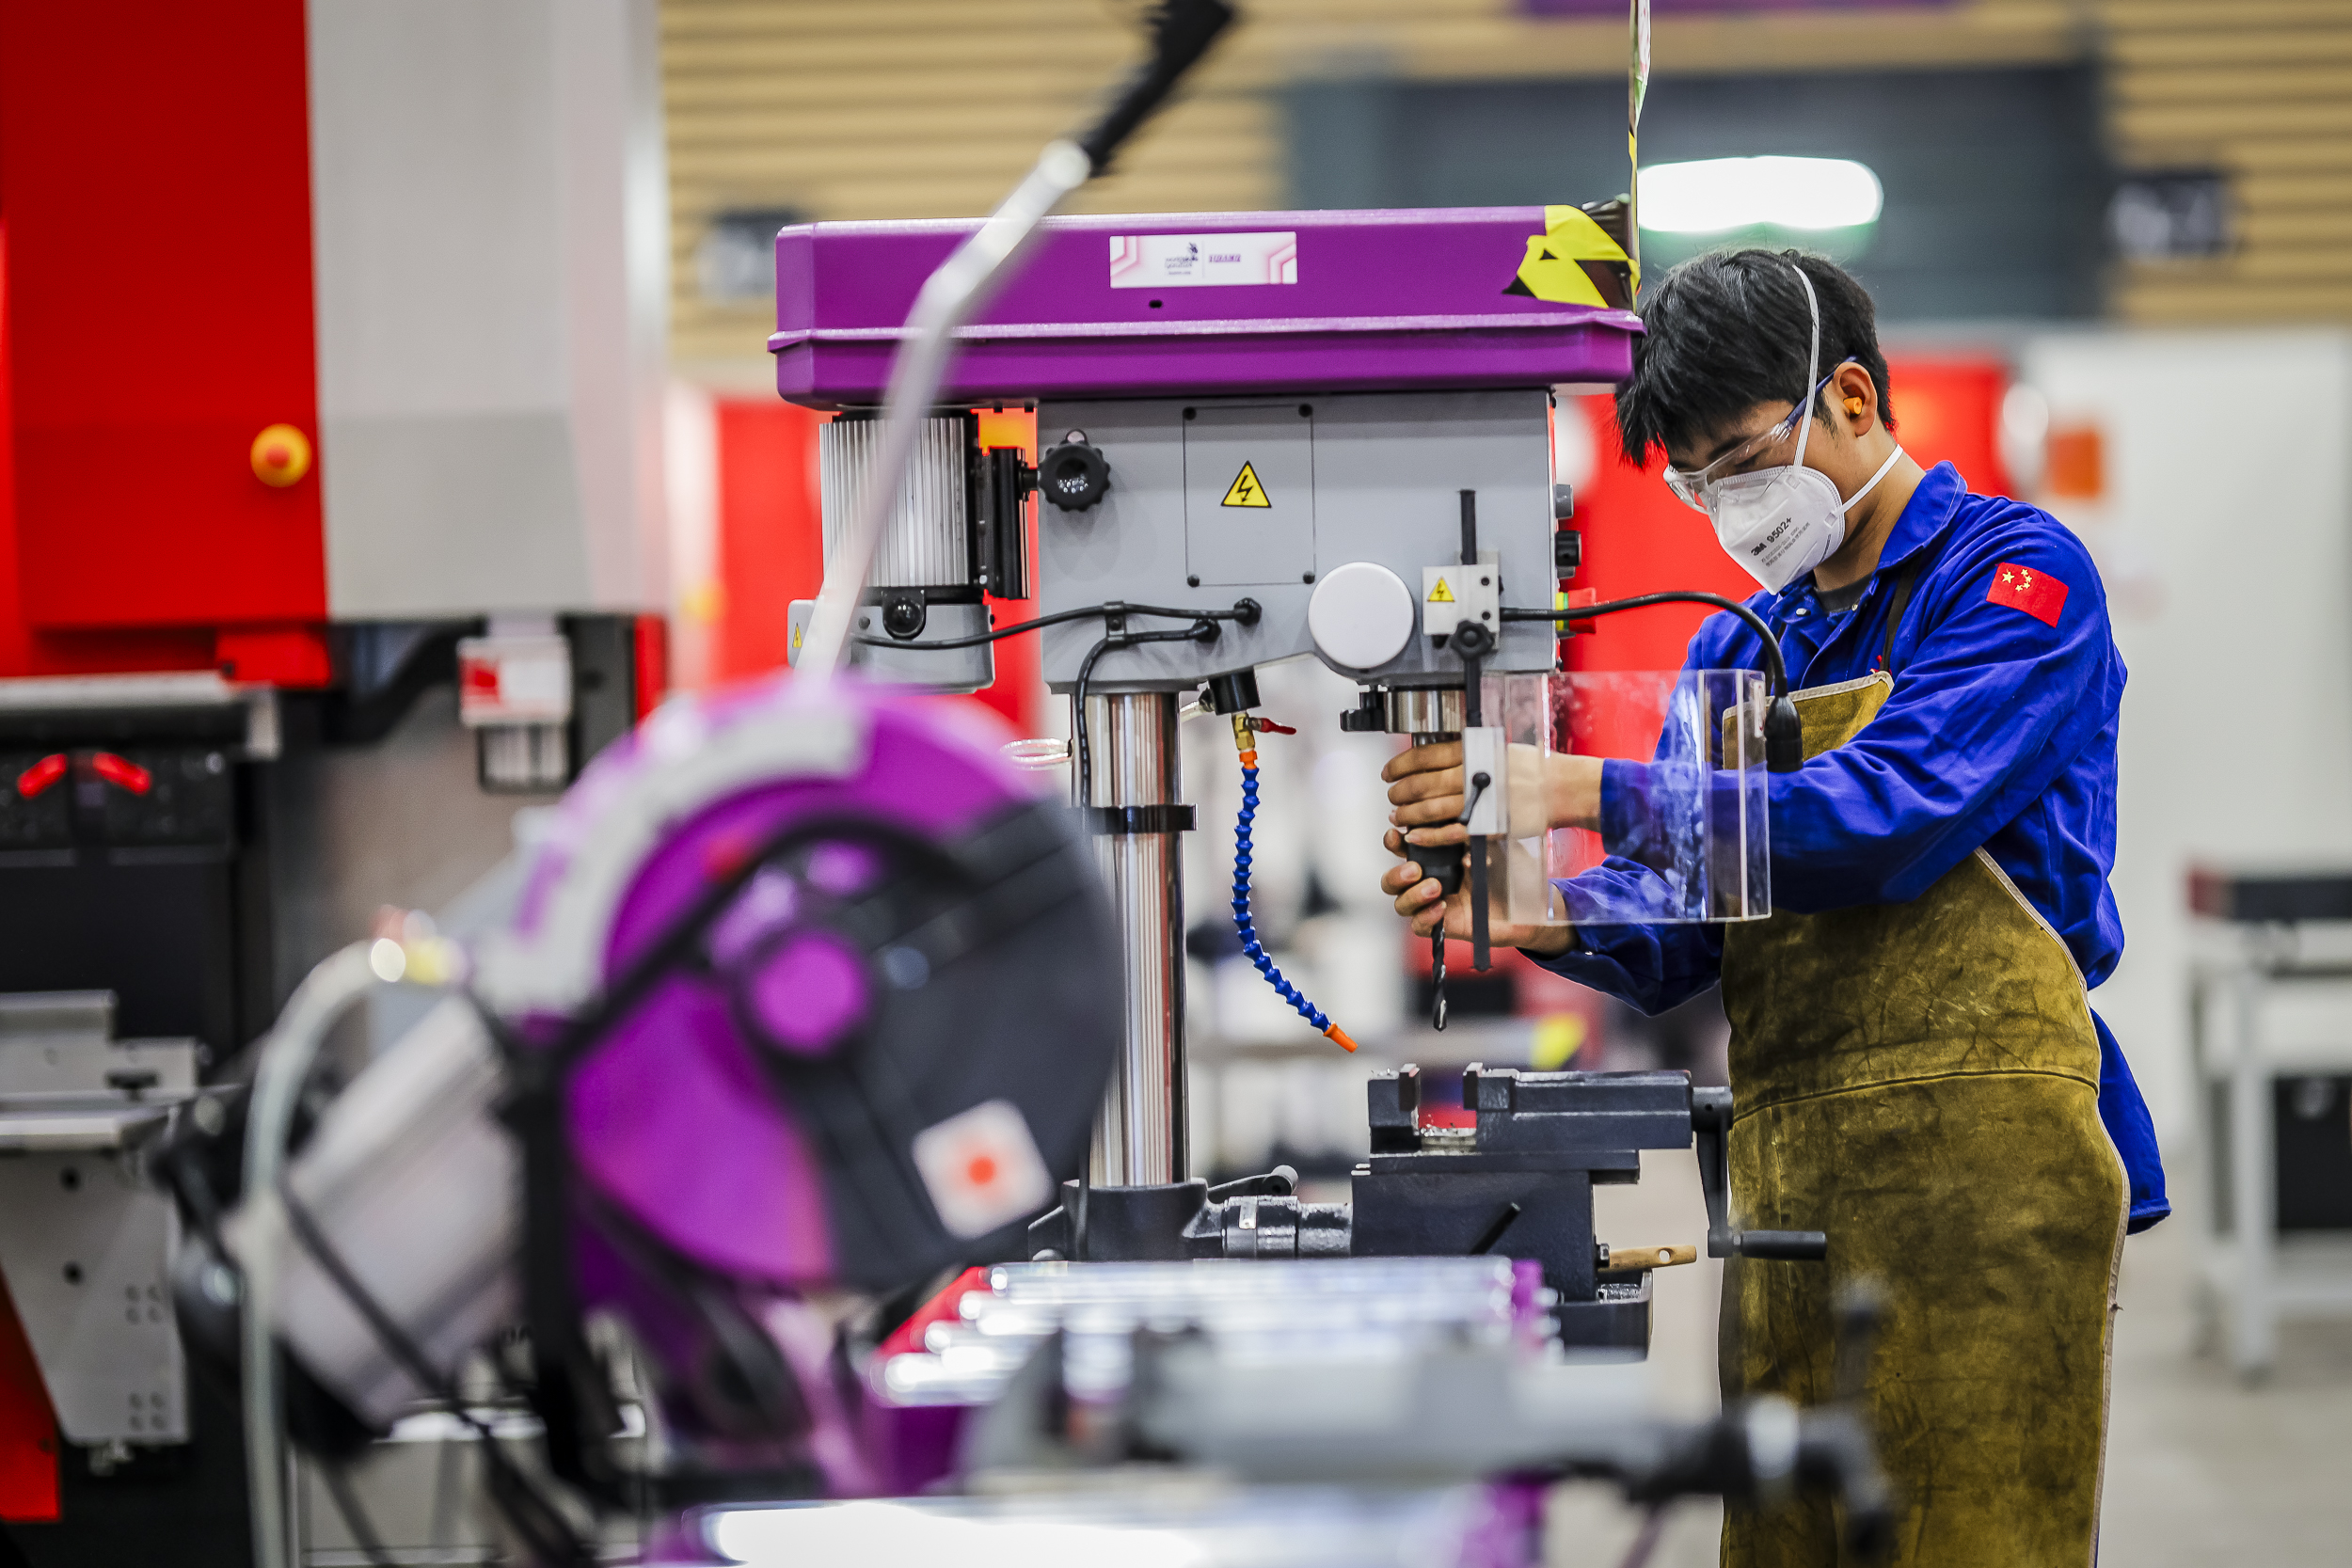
<point>48,770</point>
<point>122,773</point>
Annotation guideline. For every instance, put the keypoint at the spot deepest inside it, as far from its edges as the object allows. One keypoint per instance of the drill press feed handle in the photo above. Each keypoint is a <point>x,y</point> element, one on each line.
<point>1710,1126</point>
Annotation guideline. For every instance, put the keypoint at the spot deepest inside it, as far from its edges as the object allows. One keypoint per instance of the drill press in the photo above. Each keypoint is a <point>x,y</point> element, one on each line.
<point>1266,435</point>
<point>1263,436</point>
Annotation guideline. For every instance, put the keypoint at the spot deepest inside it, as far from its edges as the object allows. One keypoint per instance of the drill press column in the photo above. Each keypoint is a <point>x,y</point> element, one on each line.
<point>1140,1137</point>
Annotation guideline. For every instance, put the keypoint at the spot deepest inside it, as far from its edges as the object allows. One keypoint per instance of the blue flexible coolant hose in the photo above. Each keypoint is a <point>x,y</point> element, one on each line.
<point>1251,947</point>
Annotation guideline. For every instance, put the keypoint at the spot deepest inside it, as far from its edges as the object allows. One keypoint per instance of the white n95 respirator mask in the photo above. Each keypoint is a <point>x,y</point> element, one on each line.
<point>1780,523</point>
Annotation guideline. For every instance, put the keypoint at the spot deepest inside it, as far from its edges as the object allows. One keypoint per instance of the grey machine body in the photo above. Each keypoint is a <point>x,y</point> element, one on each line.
<point>1215,499</point>
<point>1367,497</point>
<point>1348,477</point>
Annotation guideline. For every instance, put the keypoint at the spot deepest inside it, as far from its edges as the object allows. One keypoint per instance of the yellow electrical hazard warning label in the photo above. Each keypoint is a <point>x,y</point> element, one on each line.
<point>1245,490</point>
<point>1441,594</point>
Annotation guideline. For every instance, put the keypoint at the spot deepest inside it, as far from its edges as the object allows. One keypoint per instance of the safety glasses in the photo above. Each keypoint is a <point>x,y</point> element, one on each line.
<point>1690,488</point>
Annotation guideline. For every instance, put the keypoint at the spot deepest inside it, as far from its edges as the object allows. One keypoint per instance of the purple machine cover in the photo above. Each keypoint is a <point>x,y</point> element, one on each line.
<point>679,1134</point>
<point>1179,304</point>
<point>671,1115</point>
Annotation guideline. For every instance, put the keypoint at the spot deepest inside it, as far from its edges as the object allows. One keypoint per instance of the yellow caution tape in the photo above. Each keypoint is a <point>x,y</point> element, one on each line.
<point>1549,271</point>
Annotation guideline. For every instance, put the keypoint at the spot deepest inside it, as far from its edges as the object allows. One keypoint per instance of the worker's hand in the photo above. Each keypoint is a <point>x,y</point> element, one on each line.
<point>1425,789</point>
<point>1419,899</point>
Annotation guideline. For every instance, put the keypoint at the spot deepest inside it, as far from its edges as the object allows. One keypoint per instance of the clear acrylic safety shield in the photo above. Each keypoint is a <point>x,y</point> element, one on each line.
<point>1682,835</point>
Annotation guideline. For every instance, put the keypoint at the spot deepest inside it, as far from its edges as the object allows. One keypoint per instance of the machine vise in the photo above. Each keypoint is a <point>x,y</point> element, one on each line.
<point>1516,1181</point>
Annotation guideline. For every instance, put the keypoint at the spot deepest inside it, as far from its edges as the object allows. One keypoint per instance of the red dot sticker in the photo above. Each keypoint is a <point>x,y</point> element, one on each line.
<point>983,1169</point>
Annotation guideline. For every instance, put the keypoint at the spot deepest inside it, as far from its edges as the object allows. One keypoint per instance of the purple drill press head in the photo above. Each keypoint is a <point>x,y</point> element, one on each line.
<point>1199,304</point>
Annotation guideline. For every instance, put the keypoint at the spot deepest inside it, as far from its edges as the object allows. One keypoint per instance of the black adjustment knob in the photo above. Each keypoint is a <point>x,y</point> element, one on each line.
<point>1369,713</point>
<point>904,615</point>
<point>1472,641</point>
<point>1074,476</point>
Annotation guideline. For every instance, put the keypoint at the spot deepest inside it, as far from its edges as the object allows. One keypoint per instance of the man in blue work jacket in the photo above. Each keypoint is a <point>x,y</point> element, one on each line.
<point>1915,1064</point>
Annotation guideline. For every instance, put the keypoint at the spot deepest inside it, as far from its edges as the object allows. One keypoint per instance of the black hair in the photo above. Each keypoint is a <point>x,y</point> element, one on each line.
<point>1729,330</point>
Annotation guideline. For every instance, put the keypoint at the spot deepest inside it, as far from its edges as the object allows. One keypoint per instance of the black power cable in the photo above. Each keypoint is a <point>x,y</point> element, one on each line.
<point>534,1517</point>
<point>1202,630</point>
<point>1777,671</point>
<point>1244,610</point>
<point>1784,731</point>
<point>978,638</point>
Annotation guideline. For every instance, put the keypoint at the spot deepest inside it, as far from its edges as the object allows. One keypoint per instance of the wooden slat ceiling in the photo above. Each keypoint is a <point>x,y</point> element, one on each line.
<point>928,108</point>
<point>2262,89</point>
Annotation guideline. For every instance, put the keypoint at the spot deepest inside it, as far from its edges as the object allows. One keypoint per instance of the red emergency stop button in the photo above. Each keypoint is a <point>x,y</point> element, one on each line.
<point>122,772</point>
<point>280,456</point>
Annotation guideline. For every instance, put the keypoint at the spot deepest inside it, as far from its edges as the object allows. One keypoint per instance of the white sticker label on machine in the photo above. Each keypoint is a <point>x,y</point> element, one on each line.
<point>982,1168</point>
<point>514,680</point>
<point>1202,260</point>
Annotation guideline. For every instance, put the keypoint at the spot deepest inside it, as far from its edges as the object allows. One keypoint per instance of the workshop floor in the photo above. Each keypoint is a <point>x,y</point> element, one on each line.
<point>2201,1472</point>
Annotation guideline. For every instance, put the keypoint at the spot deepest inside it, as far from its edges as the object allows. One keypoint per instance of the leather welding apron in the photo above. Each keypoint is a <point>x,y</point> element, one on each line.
<point>1922,1082</point>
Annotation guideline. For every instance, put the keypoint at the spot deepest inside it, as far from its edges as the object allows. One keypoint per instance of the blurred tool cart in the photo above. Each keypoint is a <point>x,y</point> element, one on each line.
<point>2277,1128</point>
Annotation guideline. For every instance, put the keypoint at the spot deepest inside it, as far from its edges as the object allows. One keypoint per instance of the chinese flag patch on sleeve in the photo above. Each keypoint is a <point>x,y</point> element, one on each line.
<point>2037,593</point>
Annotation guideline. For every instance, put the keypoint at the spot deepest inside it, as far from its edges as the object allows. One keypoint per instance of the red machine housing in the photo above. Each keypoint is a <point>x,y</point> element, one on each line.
<point>161,508</point>
<point>155,316</point>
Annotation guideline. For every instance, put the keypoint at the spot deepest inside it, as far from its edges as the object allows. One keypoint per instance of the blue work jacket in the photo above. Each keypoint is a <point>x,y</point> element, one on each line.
<point>2000,732</point>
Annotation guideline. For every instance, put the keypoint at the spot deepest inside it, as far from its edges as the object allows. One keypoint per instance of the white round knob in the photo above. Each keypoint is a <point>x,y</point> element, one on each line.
<point>1361,615</point>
